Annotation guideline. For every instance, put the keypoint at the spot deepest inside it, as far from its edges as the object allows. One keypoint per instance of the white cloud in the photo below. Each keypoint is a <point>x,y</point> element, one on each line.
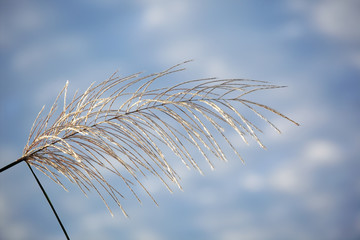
<point>356,59</point>
<point>296,176</point>
<point>248,233</point>
<point>321,152</point>
<point>22,20</point>
<point>181,49</point>
<point>155,185</point>
<point>216,66</point>
<point>322,203</point>
<point>206,62</point>
<point>252,182</point>
<point>159,13</point>
<point>286,179</point>
<point>103,3</point>
<point>293,30</point>
<point>98,221</point>
<point>207,197</point>
<point>11,228</point>
<point>338,18</point>
<point>37,55</point>
<point>357,223</point>
<point>147,234</point>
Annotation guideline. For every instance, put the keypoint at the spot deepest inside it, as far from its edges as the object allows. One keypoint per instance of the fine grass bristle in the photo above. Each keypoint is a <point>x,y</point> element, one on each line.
<point>126,126</point>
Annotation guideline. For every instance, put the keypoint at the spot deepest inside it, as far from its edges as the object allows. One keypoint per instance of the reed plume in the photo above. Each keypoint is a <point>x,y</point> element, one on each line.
<point>126,126</point>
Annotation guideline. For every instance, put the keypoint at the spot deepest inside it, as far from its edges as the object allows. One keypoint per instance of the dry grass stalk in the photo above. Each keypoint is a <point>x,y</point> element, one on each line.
<point>125,125</point>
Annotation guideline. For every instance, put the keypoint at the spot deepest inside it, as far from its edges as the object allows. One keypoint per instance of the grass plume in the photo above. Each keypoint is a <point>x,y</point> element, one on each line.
<point>124,126</point>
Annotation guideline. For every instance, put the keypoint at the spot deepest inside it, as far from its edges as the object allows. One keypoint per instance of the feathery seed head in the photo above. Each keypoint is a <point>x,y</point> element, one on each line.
<point>126,126</point>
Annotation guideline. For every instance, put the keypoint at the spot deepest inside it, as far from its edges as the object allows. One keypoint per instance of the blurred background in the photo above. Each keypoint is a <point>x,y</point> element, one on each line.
<point>305,186</point>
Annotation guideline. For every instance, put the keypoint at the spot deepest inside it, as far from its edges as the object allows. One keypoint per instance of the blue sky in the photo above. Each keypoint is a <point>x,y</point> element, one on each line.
<point>305,186</point>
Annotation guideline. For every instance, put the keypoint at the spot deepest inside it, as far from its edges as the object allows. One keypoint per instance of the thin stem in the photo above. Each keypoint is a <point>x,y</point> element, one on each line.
<point>49,201</point>
<point>14,163</point>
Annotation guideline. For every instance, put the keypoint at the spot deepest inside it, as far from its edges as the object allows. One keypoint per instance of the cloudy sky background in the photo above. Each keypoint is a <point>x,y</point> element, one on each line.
<point>305,186</point>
